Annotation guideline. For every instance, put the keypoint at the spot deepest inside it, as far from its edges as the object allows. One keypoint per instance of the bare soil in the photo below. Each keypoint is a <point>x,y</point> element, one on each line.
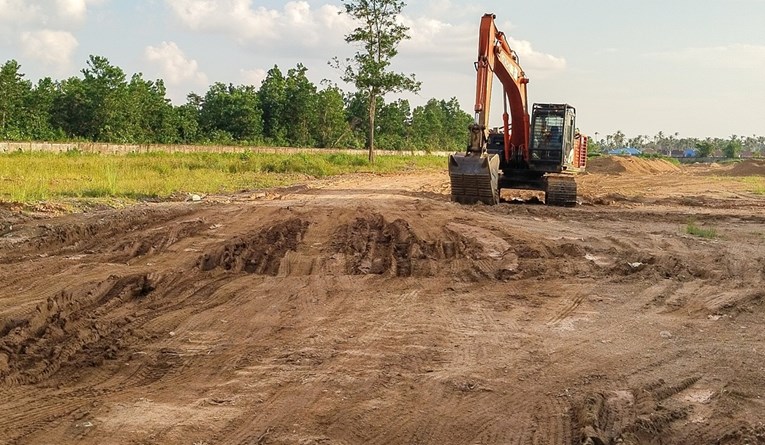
<point>370,309</point>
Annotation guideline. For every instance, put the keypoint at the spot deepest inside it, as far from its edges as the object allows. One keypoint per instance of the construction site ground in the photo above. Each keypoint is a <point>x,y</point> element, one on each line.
<point>371,310</point>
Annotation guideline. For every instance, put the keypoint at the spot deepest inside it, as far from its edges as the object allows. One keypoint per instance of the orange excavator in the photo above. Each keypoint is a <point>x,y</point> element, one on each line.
<point>541,152</point>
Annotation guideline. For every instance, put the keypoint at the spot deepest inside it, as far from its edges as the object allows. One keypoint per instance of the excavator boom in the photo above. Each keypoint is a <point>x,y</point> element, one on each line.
<point>474,174</point>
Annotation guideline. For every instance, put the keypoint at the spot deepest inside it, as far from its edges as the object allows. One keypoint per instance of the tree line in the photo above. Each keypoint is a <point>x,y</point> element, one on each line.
<point>673,145</point>
<point>287,109</point>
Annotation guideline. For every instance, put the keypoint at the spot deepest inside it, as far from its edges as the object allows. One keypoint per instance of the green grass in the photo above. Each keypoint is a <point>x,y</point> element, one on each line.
<point>703,232</point>
<point>756,184</point>
<point>33,177</point>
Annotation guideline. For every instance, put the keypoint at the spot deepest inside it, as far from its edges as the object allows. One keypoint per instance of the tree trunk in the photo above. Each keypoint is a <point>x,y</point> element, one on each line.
<point>371,134</point>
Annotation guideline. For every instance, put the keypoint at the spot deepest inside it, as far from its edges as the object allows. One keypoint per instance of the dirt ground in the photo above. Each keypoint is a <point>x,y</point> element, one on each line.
<point>370,309</point>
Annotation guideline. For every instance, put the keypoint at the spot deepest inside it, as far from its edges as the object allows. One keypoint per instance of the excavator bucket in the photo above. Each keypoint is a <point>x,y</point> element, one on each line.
<point>474,178</point>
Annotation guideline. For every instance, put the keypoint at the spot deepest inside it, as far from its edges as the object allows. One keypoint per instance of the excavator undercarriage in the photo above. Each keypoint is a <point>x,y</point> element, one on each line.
<point>560,190</point>
<point>477,179</point>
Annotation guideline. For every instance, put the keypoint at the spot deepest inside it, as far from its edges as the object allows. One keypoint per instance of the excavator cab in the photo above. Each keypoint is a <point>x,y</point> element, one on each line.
<point>553,127</point>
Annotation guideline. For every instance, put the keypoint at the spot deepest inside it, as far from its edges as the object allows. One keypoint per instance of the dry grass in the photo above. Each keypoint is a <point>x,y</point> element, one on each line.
<point>36,176</point>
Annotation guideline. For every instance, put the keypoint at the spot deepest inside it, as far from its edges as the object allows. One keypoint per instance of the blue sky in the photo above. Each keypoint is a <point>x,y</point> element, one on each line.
<point>692,67</point>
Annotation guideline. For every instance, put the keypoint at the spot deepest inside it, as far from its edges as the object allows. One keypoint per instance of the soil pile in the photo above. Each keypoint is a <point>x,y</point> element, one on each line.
<point>748,168</point>
<point>616,165</point>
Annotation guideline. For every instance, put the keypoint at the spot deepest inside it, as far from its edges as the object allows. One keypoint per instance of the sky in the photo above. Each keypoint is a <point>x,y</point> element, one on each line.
<point>692,67</point>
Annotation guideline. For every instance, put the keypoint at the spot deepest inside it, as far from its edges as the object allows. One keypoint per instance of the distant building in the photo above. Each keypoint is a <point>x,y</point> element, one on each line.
<point>625,151</point>
<point>690,153</point>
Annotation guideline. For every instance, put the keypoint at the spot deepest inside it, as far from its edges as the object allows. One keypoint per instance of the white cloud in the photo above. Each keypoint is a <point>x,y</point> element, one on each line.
<point>53,48</point>
<point>71,9</point>
<point>296,24</point>
<point>15,11</point>
<point>64,14</point>
<point>454,42</point>
<point>43,29</point>
<point>252,77</point>
<point>533,60</point>
<point>176,68</point>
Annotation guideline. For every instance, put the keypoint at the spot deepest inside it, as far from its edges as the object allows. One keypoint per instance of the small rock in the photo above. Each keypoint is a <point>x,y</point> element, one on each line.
<point>172,333</point>
<point>194,198</point>
<point>665,334</point>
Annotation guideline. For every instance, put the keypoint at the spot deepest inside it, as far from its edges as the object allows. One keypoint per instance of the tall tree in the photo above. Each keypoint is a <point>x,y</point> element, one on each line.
<point>379,35</point>
<point>733,147</point>
<point>300,107</point>
<point>331,126</point>
<point>40,110</point>
<point>704,149</point>
<point>232,113</point>
<point>187,116</point>
<point>106,93</point>
<point>394,122</point>
<point>13,93</point>
<point>70,112</point>
<point>272,100</point>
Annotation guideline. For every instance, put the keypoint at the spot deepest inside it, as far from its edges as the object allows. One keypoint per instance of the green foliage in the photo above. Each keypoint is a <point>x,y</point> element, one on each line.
<point>704,149</point>
<point>106,105</point>
<point>230,113</point>
<point>732,148</point>
<point>331,126</point>
<point>594,148</point>
<point>13,93</point>
<point>440,125</point>
<point>272,95</point>
<point>300,107</point>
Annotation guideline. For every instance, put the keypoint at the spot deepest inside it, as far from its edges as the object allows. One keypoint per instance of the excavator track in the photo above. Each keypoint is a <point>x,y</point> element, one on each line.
<point>474,178</point>
<point>560,190</point>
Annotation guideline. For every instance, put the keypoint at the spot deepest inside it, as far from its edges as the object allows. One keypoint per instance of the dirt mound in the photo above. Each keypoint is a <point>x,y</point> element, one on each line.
<point>747,168</point>
<point>616,165</point>
<point>258,253</point>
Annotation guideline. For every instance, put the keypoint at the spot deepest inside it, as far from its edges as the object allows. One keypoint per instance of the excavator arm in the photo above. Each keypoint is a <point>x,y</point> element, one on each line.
<point>495,57</point>
<point>474,175</point>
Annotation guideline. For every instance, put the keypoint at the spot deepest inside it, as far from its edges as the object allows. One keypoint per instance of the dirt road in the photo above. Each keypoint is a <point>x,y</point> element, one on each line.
<point>372,310</point>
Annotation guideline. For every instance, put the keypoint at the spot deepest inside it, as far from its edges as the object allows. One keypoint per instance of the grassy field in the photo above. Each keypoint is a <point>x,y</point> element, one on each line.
<point>31,177</point>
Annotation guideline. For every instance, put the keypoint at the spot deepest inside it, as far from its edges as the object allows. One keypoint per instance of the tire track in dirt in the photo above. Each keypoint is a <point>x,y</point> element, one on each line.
<point>88,322</point>
<point>22,419</point>
<point>259,252</point>
<point>451,342</point>
<point>72,235</point>
<point>636,416</point>
<point>570,305</point>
